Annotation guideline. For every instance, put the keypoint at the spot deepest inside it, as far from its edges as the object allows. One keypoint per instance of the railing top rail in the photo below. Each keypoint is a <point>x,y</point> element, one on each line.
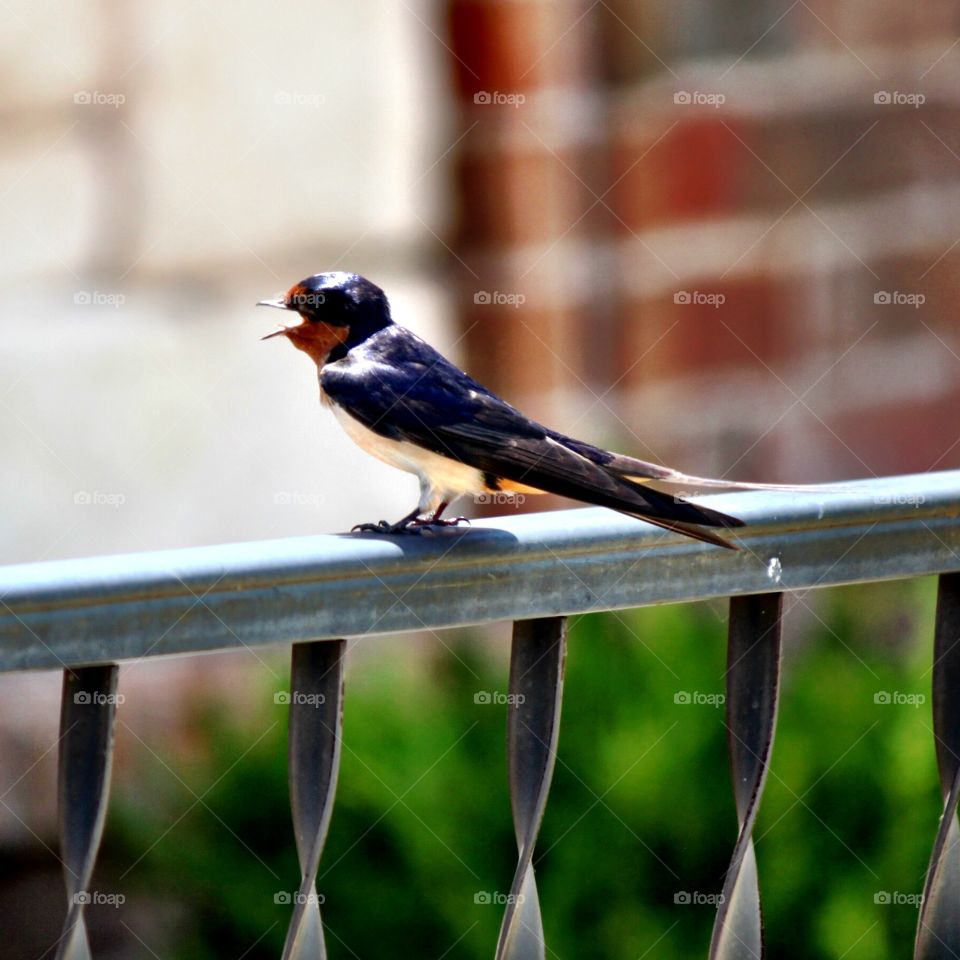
<point>103,609</point>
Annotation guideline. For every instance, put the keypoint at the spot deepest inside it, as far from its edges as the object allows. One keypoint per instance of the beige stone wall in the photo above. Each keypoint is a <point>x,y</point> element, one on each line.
<point>162,167</point>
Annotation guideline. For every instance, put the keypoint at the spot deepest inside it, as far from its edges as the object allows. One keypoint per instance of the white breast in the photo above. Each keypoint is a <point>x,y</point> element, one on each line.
<point>441,479</point>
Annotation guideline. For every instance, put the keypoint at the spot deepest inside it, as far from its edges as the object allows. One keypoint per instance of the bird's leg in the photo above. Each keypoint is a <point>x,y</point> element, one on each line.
<point>435,520</point>
<point>384,527</point>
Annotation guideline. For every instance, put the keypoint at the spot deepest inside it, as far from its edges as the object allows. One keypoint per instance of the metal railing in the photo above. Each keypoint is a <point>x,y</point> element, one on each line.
<point>85,616</point>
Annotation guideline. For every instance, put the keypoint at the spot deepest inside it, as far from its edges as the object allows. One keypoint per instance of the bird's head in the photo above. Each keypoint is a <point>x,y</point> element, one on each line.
<point>334,309</point>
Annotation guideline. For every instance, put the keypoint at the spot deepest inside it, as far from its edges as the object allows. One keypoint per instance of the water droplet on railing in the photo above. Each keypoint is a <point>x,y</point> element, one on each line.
<point>775,569</point>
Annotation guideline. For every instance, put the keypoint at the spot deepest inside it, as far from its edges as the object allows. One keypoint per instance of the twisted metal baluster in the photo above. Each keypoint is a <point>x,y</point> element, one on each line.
<point>87,713</point>
<point>753,671</point>
<point>938,928</point>
<point>533,724</point>
<point>316,714</point>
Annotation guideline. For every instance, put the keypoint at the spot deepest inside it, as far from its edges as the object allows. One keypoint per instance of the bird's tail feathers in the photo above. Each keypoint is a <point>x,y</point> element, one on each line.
<point>639,471</point>
<point>663,506</point>
<point>687,529</point>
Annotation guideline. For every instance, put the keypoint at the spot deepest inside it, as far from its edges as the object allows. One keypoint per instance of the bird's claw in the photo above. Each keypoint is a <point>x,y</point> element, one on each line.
<point>450,522</point>
<point>381,526</point>
<point>428,525</point>
<point>416,525</point>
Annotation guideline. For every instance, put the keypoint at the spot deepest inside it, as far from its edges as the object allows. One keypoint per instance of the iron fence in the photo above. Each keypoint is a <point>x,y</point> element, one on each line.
<point>85,616</point>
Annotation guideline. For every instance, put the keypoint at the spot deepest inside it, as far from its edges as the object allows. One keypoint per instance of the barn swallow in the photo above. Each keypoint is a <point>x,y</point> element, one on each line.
<point>406,404</point>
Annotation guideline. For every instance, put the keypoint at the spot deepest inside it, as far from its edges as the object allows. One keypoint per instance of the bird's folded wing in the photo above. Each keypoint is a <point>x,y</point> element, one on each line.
<point>436,406</point>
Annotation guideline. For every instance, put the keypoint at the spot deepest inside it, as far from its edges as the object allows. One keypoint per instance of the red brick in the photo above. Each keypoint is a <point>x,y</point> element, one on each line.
<point>907,437</point>
<point>514,46</point>
<point>751,327</point>
<point>689,173</point>
<point>530,197</point>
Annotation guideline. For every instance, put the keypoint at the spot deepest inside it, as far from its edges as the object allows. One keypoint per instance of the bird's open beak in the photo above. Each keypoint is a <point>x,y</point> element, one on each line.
<point>280,304</point>
<point>283,331</point>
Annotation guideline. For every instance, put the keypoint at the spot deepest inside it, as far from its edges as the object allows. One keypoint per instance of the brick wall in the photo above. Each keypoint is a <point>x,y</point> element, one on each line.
<point>728,227</point>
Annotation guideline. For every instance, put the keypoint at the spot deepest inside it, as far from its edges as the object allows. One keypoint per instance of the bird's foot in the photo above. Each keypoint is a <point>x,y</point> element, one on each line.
<point>382,526</point>
<point>432,524</point>
<point>408,525</point>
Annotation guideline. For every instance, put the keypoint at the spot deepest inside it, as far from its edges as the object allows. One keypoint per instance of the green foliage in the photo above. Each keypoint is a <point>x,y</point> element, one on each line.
<point>640,811</point>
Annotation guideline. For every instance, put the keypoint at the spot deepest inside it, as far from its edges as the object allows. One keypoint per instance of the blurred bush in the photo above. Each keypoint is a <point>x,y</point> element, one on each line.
<point>640,812</point>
